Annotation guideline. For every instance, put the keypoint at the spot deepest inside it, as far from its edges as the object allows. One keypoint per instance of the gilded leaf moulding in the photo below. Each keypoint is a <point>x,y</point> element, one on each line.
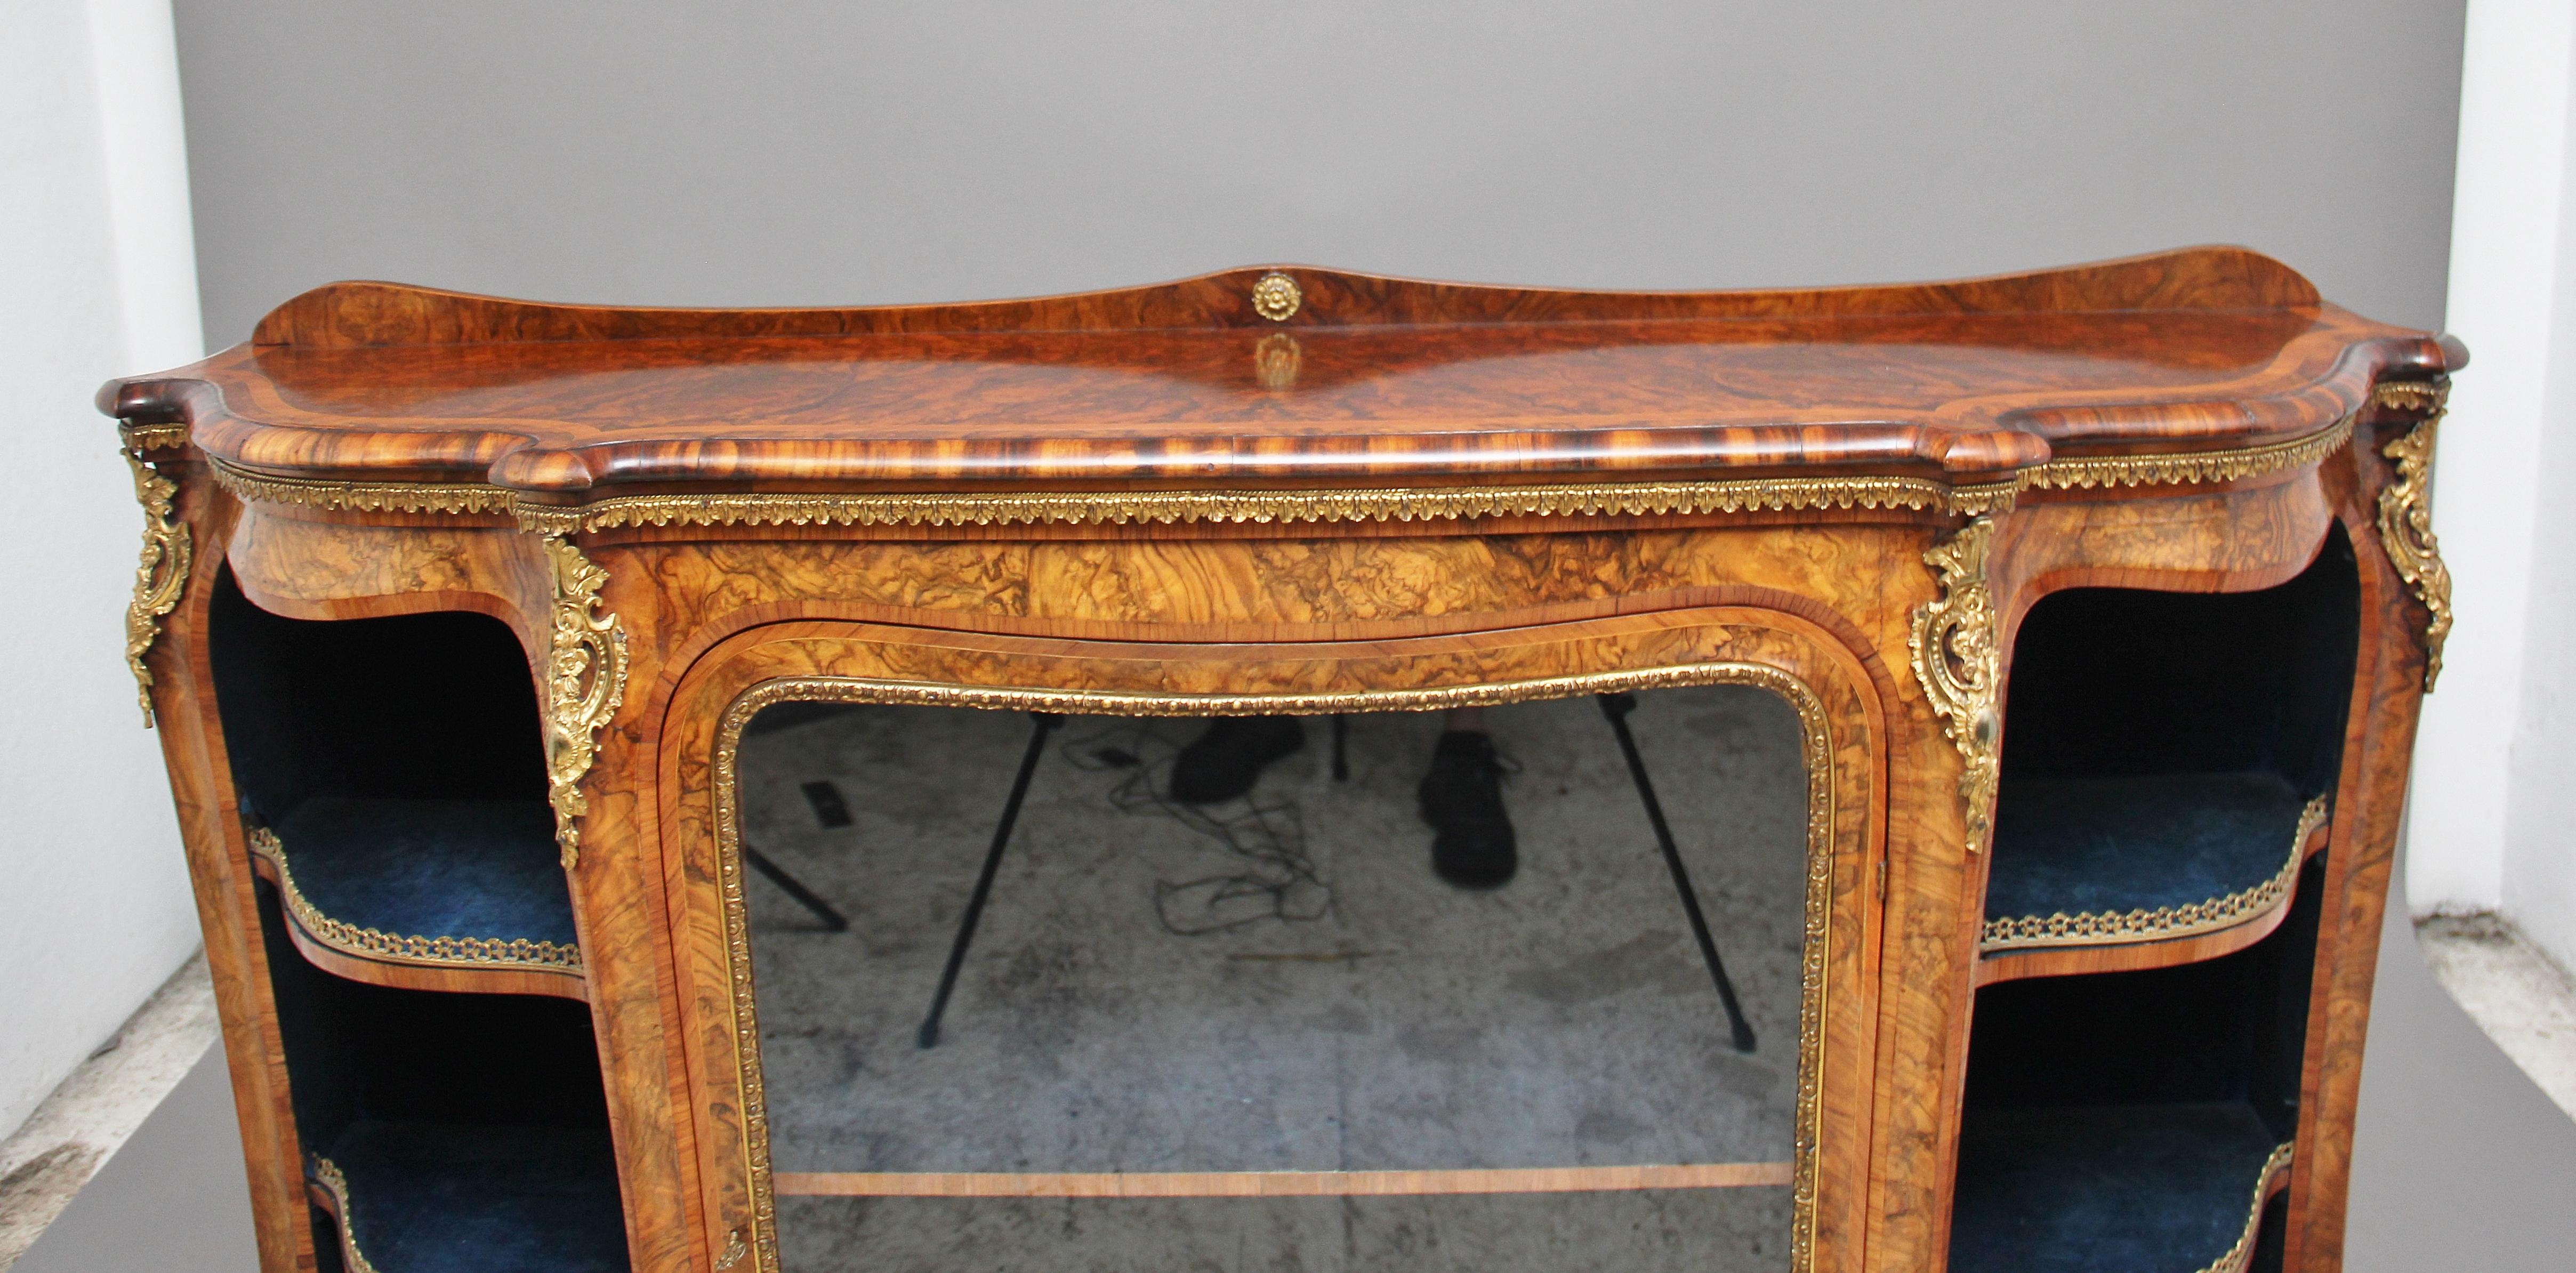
<point>452,498</point>
<point>1958,657</point>
<point>585,683</point>
<point>2164,923</point>
<point>2423,397</point>
<point>1281,507</point>
<point>2406,514</point>
<point>159,435</point>
<point>160,576</point>
<point>373,943</point>
<point>1817,751</point>
<point>2191,468</point>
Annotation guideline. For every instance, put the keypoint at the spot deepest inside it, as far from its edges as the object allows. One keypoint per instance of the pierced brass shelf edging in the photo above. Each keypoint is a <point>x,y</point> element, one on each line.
<point>377,944</point>
<point>1816,751</point>
<point>1958,658</point>
<point>327,1174</point>
<point>160,577</point>
<point>1226,507</point>
<point>585,683</point>
<point>2164,923</point>
<point>2238,1257</point>
<point>2406,513</point>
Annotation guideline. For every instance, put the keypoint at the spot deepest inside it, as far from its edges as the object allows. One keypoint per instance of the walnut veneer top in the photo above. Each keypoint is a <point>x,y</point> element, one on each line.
<point>1370,380</point>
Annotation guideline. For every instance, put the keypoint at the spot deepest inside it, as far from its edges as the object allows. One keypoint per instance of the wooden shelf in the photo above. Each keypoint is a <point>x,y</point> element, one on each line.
<point>2122,873</point>
<point>2120,1189</point>
<point>447,895</point>
<point>417,1197</point>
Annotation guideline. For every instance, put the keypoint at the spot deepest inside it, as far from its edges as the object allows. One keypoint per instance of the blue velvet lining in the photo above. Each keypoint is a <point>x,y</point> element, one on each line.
<point>431,868</point>
<point>438,1198</point>
<point>2125,1189</point>
<point>2122,844</point>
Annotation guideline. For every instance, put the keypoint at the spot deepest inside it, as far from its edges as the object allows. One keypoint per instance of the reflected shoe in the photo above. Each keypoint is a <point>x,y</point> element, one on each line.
<point>1227,758</point>
<point>1472,845</point>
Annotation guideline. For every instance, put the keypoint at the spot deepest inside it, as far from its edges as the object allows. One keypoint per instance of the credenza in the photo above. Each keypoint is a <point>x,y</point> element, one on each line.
<point>2099,602</point>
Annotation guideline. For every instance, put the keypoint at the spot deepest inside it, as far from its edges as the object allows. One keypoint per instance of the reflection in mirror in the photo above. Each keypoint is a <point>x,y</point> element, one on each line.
<point>1400,990</point>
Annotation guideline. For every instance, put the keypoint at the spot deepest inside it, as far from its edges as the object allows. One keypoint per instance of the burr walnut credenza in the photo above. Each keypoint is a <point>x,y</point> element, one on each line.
<point>2096,603</point>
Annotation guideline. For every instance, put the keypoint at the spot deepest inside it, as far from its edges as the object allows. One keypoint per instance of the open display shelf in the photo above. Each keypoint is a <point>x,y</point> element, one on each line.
<point>2114,1189</point>
<point>2135,1122</point>
<point>402,818</point>
<point>446,1132</point>
<point>411,902</point>
<point>425,1197</point>
<point>384,885</point>
<point>2150,924</point>
<point>2168,765</point>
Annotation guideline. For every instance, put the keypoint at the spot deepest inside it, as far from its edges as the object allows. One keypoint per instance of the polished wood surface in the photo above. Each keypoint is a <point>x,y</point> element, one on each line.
<point>1274,1184</point>
<point>1371,382</point>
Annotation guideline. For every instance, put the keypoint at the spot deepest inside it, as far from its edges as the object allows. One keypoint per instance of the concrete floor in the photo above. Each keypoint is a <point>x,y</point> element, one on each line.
<point>48,1159</point>
<point>2524,1002</point>
<point>2460,1161</point>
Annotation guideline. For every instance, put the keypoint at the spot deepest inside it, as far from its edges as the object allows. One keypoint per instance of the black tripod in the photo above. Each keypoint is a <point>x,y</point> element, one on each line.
<point>1046,723</point>
<point>1616,707</point>
<point>833,921</point>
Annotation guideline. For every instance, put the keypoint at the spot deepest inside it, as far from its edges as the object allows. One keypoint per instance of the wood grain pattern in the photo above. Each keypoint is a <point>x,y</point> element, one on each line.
<point>1182,387</point>
<point>1275,1184</point>
<point>211,832</point>
<point>1390,380</point>
<point>2379,744</point>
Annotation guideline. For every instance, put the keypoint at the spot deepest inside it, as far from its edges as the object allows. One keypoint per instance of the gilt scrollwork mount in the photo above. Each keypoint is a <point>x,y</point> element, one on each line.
<point>161,574</point>
<point>2406,511</point>
<point>1958,659</point>
<point>585,682</point>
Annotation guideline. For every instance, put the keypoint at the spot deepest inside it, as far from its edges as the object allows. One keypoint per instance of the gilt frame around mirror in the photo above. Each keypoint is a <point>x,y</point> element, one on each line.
<point>1816,749</point>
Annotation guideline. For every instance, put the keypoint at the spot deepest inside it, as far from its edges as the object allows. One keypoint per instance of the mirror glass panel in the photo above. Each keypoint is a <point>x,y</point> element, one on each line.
<point>1397,990</point>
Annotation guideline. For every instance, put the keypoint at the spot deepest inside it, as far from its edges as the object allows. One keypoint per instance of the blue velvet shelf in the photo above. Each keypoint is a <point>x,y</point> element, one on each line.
<point>457,884</point>
<point>2089,861</point>
<point>2120,1189</point>
<point>438,1198</point>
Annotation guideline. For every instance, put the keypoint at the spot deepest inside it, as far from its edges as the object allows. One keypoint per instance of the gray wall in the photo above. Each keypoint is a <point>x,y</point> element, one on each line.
<point>834,153</point>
